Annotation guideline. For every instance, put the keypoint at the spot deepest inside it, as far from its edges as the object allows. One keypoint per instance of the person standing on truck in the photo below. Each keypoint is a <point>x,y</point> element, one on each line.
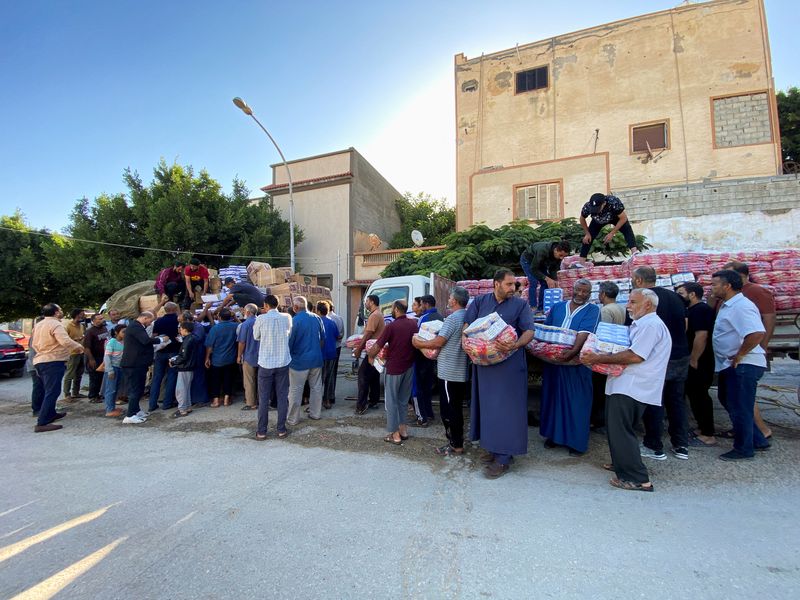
<point>369,380</point>
<point>499,410</point>
<point>540,262</point>
<point>605,210</point>
<point>765,303</point>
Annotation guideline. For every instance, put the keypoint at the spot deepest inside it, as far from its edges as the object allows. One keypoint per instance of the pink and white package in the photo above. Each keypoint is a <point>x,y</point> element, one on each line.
<point>485,352</point>
<point>353,340</point>
<point>590,347</point>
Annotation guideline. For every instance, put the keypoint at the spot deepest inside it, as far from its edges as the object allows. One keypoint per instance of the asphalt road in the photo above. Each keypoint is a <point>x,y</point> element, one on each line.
<point>198,509</point>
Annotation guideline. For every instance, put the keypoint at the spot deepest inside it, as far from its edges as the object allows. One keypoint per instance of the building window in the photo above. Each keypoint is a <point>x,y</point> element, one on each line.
<point>532,79</point>
<point>538,201</point>
<point>325,281</point>
<point>648,137</point>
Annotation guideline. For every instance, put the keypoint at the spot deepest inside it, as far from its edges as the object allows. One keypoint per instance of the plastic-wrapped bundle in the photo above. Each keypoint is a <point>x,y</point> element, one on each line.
<point>430,329</point>
<point>575,262</point>
<point>554,335</point>
<point>429,353</point>
<point>591,347</point>
<point>353,340</point>
<point>786,264</point>
<point>552,353</point>
<point>486,328</point>
<point>485,352</point>
<point>551,296</point>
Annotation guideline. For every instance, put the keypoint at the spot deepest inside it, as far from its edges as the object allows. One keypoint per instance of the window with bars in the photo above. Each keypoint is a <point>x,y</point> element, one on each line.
<point>532,79</point>
<point>539,202</point>
<point>655,135</point>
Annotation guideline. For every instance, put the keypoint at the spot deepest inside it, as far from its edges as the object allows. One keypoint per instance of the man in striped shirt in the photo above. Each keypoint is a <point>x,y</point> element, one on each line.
<point>452,371</point>
<point>272,331</point>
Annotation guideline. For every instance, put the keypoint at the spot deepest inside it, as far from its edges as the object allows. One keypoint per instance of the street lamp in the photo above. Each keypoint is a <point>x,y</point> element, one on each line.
<point>241,104</point>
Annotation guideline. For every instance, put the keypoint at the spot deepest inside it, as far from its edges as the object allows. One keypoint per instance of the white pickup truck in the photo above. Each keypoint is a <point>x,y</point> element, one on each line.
<point>406,288</point>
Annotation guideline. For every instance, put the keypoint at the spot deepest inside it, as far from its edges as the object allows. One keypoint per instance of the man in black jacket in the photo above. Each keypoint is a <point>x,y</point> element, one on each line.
<point>136,359</point>
<point>185,363</point>
<point>162,374</point>
<point>541,262</point>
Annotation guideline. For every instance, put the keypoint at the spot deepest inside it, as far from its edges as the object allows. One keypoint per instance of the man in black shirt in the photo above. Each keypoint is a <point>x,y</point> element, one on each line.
<point>242,293</point>
<point>701,363</point>
<point>164,377</point>
<point>605,210</point>
<point>137,356</point>
<point>672,311</point>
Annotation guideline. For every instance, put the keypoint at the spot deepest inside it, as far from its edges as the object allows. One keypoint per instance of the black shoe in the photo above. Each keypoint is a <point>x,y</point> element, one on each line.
<point>733,455</point>
<point>420,423</point>
<point>371,406</point>
<point>59,416</point>
<point>361,411</point>
<point>573,452</point>
<point>550,444</point>
<point>495,470</point>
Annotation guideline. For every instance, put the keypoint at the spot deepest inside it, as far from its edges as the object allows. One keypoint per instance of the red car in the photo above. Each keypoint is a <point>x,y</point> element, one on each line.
<point>12,356</point>
<point>18,337</point>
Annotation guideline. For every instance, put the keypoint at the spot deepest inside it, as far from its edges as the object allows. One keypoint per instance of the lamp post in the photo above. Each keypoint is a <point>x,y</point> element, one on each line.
<point>241,104</point>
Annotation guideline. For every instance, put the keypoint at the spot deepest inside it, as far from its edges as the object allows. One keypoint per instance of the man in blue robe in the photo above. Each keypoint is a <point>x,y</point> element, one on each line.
<point>499,411</point>
<point>567,389</point>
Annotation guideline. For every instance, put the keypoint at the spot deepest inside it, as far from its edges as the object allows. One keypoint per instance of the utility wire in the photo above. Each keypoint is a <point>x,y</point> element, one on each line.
<point>73,239</point>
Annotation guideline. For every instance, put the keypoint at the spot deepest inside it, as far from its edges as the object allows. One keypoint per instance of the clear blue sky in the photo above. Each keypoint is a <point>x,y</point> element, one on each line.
<point>89,88</point>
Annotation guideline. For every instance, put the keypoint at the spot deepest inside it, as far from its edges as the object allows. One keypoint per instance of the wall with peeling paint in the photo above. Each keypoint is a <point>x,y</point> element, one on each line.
<point>665,66</point>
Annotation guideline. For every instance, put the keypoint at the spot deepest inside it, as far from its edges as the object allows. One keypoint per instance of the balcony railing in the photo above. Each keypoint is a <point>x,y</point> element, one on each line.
<point>386,257</point>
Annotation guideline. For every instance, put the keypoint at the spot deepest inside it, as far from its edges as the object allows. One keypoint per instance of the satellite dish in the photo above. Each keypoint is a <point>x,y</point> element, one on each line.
<point>416,237</point>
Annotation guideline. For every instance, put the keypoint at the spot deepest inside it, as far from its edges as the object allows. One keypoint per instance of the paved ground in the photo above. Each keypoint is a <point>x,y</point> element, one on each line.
<point>197,509</point>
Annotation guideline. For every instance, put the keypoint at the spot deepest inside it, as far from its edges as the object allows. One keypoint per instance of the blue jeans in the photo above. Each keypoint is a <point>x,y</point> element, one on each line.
<point>534,300</point>
<point>51,374</point>
<point>111,387</point>
<point>737,393</point>
<point>162,369</point>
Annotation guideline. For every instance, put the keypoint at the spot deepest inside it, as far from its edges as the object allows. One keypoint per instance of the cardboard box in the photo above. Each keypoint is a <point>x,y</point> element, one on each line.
<point>214,284</point>
<point>260,273</point>
<point>304,279</point>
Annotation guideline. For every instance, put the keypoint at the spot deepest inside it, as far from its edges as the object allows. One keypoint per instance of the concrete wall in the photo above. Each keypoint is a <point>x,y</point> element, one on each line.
<point>312,167</point>
<point>493,190</point>
<point>758,213</point>
<point>372,205</point>
<point>665,67</point>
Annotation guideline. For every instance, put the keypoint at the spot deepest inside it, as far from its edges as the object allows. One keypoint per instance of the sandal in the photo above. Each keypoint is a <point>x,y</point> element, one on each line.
<point>629,486</point>
<point>178,413</point>
<point>248,407</point>
<point>608,466</point>
<point>215,403</point>
<point>283,434</point>
<point>227,401</point>
<point>448,450</point>
<point>260,437</point>
<point>390,439</point>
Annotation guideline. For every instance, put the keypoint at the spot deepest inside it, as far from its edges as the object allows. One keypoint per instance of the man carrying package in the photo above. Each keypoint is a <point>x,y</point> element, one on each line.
<point>499,410</point>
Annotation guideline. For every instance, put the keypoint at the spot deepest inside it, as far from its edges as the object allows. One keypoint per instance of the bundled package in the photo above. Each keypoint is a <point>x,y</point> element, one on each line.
<point>380,360</point>
<point>551,296</point>
<point>353,340</point>
<point>481,338</point>
<point>552,353</point>
<point>430,353</point>
<point>592,347</point>
<point>554,335</point>
<point>612,338</point>
<point>430,329</point>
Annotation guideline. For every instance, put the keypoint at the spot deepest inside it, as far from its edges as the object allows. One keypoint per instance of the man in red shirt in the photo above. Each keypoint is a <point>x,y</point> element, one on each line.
<point>196,276</point>
<point>170,282</point>
<point>765,303</point>
<point>399,370</point>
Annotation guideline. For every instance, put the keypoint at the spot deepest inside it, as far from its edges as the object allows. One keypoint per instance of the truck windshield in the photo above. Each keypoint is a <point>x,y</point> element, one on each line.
<point>389,295</point>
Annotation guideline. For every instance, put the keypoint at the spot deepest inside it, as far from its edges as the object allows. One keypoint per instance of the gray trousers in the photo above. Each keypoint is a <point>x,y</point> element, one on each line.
<point>297,380</point>
<point>622,413</point>
<point>183,390</point>
<point>273,382</point>
<point>397,391</point>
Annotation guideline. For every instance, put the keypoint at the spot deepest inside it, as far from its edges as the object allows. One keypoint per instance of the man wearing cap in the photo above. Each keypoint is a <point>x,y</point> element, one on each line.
<point>242,293</point>
<point>605,210</point>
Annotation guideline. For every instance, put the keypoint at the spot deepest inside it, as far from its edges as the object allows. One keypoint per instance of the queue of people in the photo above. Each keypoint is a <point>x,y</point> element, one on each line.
<point>679,340</point>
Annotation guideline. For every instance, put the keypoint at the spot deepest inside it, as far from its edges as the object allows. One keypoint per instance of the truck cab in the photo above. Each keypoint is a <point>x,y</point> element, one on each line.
<point>405,288</point>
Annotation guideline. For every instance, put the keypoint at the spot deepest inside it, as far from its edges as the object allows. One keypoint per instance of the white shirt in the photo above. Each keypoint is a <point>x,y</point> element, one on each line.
<point>272,331</point>
<point>738,317</point>
<point>644,381</point>
<point>339,325</point>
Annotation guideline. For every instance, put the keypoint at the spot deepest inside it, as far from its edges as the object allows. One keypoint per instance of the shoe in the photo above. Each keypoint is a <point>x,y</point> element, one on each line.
<point>361,411</point>
<point>180,413</point>
<point>134,420</point>
<point>733,455</point>
<point>95,400</point>
<point>143,414</point>
<point>44,428</point>
<point>117,412</point>
<point>120,402</point>
<point>680,452</point>
<point>420,423</point>
<point>326,405</point>
<point>550,444</point>
<point>69,400</point>
<point>247,407</point>
<point>283,434</point>
<point>648,453</point>
<point>495,470</point>
<point>312,417</point>
<point>763,448</point>
<point>80,396</point>
<point>151,409</point>
<point>59,415</point>
<point>573,452</point>
<point>371,406</point>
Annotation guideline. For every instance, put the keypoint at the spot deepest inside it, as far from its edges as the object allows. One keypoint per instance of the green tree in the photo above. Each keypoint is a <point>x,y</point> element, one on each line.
<point>179,211</point>
<point>479,251</point>
<point>433,218</point>
<point>789,120</point>
<point>23,268</point>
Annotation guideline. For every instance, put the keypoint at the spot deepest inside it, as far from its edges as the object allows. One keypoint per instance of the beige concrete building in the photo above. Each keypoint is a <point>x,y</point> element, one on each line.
<point>339,200</point>
<point>679,97</point>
